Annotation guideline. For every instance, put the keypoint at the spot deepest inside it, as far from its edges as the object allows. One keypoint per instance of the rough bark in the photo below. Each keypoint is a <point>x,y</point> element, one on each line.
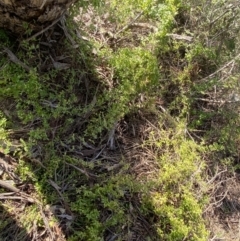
<point>20,15</point>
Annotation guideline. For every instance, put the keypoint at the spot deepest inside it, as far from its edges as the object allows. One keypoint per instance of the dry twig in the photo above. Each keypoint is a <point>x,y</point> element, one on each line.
<point>44,30</point>
<point>15,60</point>
<point>129,24</point>
<point>56,187</point>
<point>6,185</point>
<point>45,220</point>
<point>11,196</point>
<point>87,174</point>
<point>222,68</point>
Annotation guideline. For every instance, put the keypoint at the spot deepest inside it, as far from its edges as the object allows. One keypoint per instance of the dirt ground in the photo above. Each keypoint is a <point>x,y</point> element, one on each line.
<point>223,214</point>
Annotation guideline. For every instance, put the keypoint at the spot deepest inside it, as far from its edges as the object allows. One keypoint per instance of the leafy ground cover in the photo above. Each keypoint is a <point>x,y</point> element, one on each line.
<point>121,123</point>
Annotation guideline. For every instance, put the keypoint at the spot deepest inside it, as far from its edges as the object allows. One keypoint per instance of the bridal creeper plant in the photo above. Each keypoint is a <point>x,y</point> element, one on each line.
<point>136,72</point>
<point>174,198</point>
<point>174,195</point>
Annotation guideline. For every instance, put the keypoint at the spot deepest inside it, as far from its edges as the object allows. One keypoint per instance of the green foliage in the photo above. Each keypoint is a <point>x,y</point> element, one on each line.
<point>32,215</point>
<point>135,72</point>
<point>3,123</point>
<point>136,69</point>
<point>4,39</point>
<point>91,201</point>
<point>181,81</point>
<point>173,199</point>
<point>74,10</point>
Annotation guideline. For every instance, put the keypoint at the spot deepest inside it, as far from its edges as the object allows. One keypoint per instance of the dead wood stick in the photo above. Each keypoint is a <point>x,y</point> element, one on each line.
<point>45,220</point>
<point>30,200</point>
<point>54,185</point>
<point>180,37</point>
<point>15,60</point>
<point>87,174</point>
<point>10,196</point>
<point>43,30</point>
<point>8,186</point>
<point>129,24</point>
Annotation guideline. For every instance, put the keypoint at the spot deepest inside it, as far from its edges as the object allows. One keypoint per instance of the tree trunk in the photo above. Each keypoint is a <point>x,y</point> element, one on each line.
<point>21,15</point>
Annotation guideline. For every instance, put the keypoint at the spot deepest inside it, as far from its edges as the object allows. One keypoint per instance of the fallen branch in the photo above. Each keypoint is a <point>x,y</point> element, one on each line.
<point>87,174</point>
<point>129,24</point>
<point>47,224</point>
<point>6,185</point>
<point>222,68</point>
<point>56,187</point>
<point>180,37</point>
<point>11,196</point>
<point>44,30</point>
<point>15,60</point>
